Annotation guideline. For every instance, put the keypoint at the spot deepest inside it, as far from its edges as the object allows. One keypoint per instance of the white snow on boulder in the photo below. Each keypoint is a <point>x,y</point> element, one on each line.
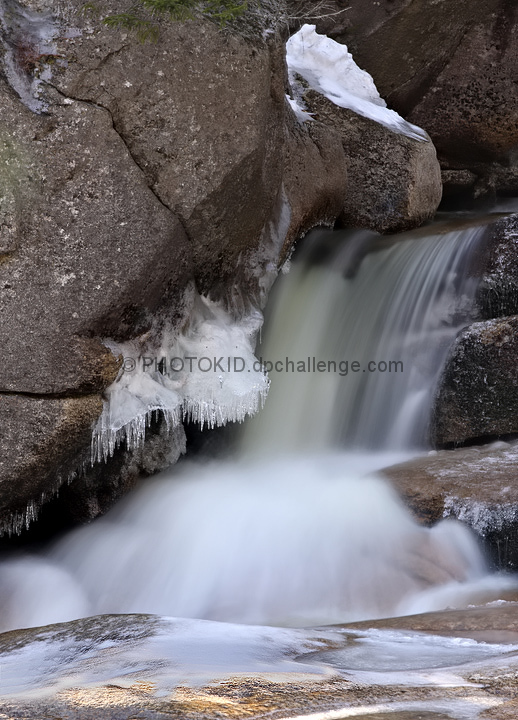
<point>329,68</point>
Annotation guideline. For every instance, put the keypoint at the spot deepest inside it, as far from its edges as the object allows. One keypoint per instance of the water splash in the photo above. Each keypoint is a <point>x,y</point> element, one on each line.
<point>286,542</point>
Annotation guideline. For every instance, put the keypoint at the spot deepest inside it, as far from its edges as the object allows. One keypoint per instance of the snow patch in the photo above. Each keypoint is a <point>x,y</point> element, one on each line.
<point>301,114</point>
<point>328,67</point>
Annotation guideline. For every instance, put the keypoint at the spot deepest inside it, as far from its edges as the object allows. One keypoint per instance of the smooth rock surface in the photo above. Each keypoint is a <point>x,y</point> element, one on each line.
<point>315,176</point>
<point>151,667</point>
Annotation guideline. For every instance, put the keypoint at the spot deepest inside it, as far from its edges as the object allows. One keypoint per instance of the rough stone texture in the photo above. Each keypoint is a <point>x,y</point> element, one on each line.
<point>449,67</point>
<point>394,182</point>
<point>202,116</point>
<point>497,294</point>
<point>478,485</point>
<point>94,255</point>
<point>478,392</point>
<point>39,441</point>
<point>315,176</point>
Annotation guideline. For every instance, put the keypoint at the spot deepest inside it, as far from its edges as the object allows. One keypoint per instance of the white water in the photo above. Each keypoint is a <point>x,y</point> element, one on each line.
<point>290,542</point>
<point>305,538</point>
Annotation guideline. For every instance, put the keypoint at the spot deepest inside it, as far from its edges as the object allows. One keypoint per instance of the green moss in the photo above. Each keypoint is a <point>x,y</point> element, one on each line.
<point>145,16</point>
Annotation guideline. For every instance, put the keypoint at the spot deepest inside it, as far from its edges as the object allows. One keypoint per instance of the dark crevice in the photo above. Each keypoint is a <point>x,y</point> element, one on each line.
<point>65,395</point>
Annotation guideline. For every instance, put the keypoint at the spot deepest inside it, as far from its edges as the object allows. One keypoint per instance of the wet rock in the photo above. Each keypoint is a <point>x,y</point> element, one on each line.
<point>394,181</point>
<point>497,295</point>
<point>476,485</point>
<point>94,490</point>
<point>477,394</point>
<point>496,623</point>
<point>478,391</point>
<point>154,667</point>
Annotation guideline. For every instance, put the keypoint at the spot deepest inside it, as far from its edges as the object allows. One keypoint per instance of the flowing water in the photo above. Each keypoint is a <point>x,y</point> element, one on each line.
<point>380,326</point>
<point>296,530</point>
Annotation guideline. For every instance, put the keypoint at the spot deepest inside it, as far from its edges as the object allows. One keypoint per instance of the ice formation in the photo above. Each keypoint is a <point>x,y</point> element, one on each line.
<point>208,373</point>
<point>164,654</point>
<point>329,68</point>
<point>301,114</point>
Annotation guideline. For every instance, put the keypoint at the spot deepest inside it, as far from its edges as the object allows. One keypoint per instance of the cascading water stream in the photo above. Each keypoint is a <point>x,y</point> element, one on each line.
<point>380,331</point>
<point>308,537</point>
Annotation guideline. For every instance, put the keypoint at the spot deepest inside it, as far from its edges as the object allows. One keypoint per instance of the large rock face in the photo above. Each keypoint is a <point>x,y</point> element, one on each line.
<point>129,171</point>
<point>394,181</point>
<point>455,76</point>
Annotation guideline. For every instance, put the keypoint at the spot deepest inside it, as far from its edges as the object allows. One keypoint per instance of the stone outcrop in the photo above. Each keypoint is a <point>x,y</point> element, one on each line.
<point>394,181</point>
<point>40,442</point>
<point>476,485</point>
<point>497,295</point>
<point>313,150</point>
<point>478,391</point>
<point>455,76</point>
<point>262,676</point>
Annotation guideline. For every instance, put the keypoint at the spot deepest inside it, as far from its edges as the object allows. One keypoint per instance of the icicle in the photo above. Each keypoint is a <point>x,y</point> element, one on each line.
<point>208,374</point>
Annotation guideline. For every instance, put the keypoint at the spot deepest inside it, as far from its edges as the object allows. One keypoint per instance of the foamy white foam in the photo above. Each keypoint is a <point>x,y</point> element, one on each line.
<point>292,541</point>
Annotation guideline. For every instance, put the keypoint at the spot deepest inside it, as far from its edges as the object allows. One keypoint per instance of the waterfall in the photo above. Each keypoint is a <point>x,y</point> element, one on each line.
<point>305,534</point>
<point>379,330</point>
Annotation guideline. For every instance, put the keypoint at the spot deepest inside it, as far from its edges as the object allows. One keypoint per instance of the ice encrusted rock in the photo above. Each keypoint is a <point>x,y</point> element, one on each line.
<point>208,373</point>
